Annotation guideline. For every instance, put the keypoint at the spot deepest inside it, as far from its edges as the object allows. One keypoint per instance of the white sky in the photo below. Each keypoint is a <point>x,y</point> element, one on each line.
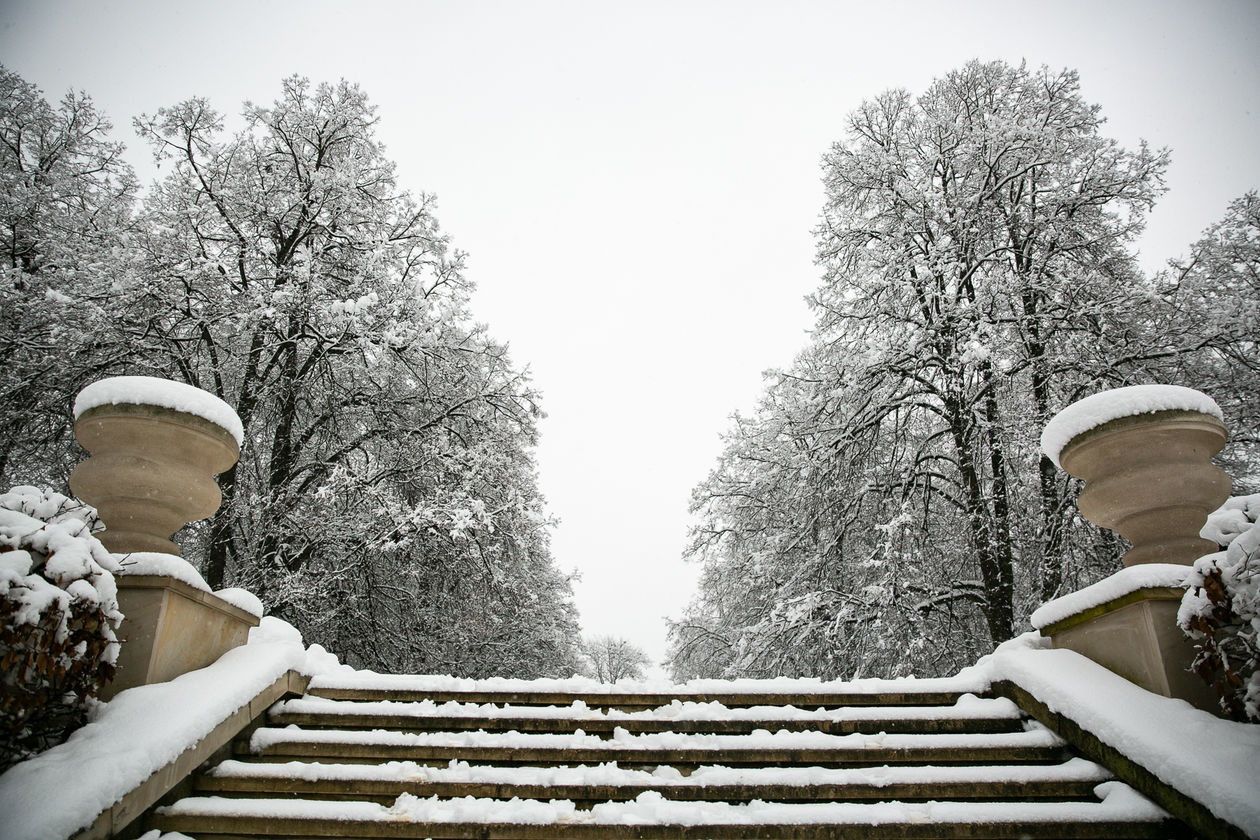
<point>636,184</point>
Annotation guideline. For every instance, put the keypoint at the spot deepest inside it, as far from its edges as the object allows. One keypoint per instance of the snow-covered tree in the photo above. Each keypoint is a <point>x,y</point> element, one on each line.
<point>978,275</point>
<point>975,247</point>
<point>1212,319</point>
<point>386,500</point>
<point>66,197</point>
<point>811,566</point>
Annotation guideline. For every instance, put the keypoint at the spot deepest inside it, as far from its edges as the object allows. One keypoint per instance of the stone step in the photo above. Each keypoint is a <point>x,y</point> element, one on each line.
<point>586,786</point>
<point>211,817</point>
<point>587,795</point>
<point>1037,745</point>
<point>361,762</point>
<point>404,723</point>
<point>637,701</point>
<point>975,715</point>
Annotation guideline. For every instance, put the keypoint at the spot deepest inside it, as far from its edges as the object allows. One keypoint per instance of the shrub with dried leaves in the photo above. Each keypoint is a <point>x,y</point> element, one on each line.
<point>58,613</point>
<point>1221,609</point>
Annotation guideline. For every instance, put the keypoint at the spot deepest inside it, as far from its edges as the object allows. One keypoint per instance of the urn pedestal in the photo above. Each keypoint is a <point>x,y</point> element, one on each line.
<point>1150,477</point>
<point>1130,628</point>
<point>1145,455</point>
<point>152,471</point>
<point>170,628</point>
<point>155,448</point>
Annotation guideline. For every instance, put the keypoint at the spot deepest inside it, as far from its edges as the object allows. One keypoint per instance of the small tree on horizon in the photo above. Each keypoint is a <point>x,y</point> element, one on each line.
<point>612,658</point>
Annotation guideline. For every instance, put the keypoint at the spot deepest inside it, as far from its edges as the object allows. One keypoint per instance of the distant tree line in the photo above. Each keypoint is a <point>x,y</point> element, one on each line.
<point>386,501</point>
<point>885,509</point>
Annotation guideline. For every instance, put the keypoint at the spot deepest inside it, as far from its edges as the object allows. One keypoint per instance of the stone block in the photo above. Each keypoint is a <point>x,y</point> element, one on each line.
<point>171,628</point>
<point>1137,637</point>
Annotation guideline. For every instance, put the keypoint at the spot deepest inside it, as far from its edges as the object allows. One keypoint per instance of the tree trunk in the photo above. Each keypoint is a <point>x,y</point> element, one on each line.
<point>997,610</point>
<point>221,550</point>
<point>1001,594</point>
<point>1050,500</point>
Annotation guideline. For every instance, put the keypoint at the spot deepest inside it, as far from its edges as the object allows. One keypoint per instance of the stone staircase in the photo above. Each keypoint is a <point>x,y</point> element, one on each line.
<point>373,762</point>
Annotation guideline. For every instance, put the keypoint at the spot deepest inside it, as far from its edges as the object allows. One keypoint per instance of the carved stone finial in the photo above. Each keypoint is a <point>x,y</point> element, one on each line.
<point>152,467</point>
<point>1145,455</point>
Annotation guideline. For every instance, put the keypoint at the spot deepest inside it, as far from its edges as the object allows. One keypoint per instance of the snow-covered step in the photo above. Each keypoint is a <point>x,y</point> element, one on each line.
<point>762,748</point>
<point>630,701</point>
<point>1119,813</point>
<point>967,714</point>
<point>415,757</point>
<point>1073,780</point>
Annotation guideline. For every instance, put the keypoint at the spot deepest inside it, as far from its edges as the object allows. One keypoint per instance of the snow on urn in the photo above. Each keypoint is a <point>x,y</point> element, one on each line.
<point>1145,453</point>
<point>155,447</point>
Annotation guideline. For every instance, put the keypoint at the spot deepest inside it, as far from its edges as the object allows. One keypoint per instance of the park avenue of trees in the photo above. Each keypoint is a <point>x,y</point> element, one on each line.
<point>884,510</point>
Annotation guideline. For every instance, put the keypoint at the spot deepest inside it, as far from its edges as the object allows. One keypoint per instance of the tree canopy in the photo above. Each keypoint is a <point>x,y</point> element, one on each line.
<point>66,205</point>
<point>386,500</point>
<point>886,509</point>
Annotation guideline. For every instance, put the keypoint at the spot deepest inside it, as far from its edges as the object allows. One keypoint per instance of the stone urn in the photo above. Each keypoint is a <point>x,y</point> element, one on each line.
<point>1145,453</point>
<point>155,447</point>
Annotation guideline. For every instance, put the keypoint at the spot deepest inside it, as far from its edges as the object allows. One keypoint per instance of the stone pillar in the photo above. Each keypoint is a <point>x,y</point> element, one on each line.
<point>1145,455</point>
<point>155,448</point>
<point>1128,624</point>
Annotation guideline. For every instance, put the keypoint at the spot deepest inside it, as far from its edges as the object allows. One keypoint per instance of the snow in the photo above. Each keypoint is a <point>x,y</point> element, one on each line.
<point>1035,735</point>
<point>241,599</point>
<point>159,563</point>
<point>968,707</point>
<point>76,567</point>
<point>1123,582</point>
<point>1225,523</point>
<point>138,732</point>
<point>967,680</point>
<point>174,566</point>
<point>1103,407</point>
<point>1119,802</point>
<point>149,390</point>
<point>609,773</point>
<point>57,528</point>
<point>33,595</point>
<point>1211,760</point>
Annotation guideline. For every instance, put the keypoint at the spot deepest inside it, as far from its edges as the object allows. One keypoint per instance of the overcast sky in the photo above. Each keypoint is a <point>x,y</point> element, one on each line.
<point>636,184</point>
